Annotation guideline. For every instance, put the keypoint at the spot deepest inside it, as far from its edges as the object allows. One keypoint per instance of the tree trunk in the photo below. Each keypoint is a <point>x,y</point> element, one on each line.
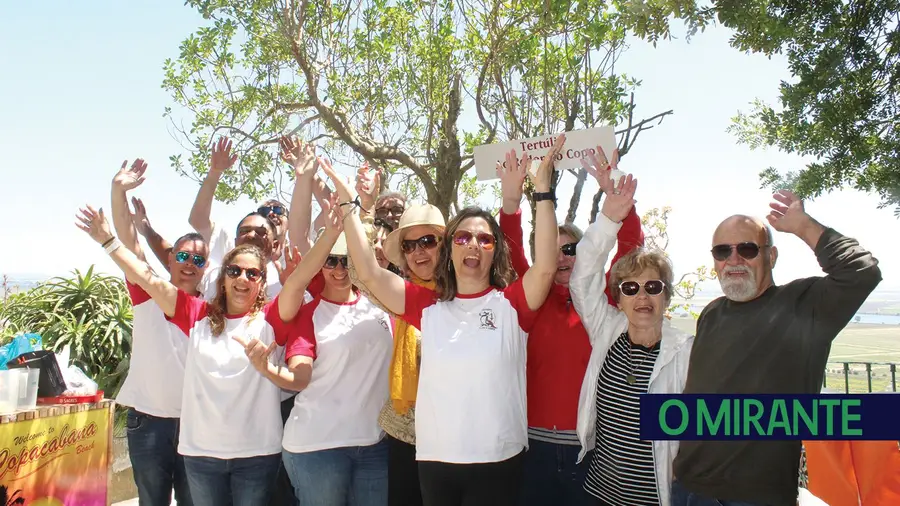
<point>448,158</point>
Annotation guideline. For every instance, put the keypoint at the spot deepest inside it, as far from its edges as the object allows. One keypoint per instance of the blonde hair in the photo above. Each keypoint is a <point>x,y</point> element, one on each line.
<point>217,308</point>
<point>637,261</point>
<point>571,230</point>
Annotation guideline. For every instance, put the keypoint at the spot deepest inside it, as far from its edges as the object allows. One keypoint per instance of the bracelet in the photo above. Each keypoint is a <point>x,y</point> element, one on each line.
<point>354,202</point>
<point>108,242</point>
<point>112,247</point>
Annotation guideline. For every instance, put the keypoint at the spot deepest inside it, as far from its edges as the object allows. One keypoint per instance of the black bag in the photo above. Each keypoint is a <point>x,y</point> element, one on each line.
<point>51,382</point>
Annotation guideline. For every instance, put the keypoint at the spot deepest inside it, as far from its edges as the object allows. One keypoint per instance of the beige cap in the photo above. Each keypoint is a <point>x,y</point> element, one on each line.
<point>416,214</point>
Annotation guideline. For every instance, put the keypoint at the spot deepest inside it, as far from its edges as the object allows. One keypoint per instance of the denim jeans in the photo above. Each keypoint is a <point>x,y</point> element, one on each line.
<point>684,497</point>
<point>283,494</point>
<point>232,482</point>
<point>353,475</point>
<point>552,478</point>
<point>155,463</point>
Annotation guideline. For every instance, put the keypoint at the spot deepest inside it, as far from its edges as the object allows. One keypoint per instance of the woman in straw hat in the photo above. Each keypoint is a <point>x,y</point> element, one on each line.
<point>471,427</point>
<point>413,247</point>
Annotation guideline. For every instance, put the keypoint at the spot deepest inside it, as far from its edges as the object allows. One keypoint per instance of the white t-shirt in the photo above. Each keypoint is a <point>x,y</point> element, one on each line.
<point>220,243</point>
<point>470,406</point>
<point>229,410</point>
<point>351,346</point>
<point>158,351</point>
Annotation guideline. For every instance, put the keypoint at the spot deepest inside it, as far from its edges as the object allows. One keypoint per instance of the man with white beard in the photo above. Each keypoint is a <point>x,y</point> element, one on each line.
<point>762,338</point>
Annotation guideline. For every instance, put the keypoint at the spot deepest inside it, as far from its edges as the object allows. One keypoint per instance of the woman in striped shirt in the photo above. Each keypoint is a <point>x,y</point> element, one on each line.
<point>635,351</point>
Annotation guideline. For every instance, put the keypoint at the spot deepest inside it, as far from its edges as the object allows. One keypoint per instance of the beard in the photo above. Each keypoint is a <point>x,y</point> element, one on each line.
<point>738,289</point>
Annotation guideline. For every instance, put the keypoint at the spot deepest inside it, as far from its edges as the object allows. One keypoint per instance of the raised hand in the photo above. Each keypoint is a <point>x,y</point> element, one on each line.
<point>787,213</point>
<point>341,186</point>
<point>333,214</point>
<point>367,185</point>
<point>130,178</point>
<point>300,155</point>
<point>139,216</point>
<point>221,159</point>
<point>257,352</point>
<point>291,261</point>
<point>94,223</point>
<point>544,173</point>
<point>597,165</point>
<point>618,202</point>
<point>512,179</point>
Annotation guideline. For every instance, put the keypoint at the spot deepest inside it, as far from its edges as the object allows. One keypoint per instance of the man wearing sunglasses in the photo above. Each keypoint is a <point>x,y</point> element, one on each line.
<point>766,338</point>
<point>152,390</point>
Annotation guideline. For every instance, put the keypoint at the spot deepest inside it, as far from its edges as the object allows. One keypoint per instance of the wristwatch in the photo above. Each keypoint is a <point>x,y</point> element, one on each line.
<point>539,196</point>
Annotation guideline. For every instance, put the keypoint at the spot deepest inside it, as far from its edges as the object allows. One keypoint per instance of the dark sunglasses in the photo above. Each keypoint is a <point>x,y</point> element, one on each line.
<point>378,222</point>
<point>381,212</point>
<point>569,249</point>
<point>747,250</point>
<point>464,237</point>
<point>234,272</point>
<point>631,288</point>
<point>333,260</point>
<point>183,256</point>
<point>426,242</point>
<point>260,231</point>
<point>276,210</point>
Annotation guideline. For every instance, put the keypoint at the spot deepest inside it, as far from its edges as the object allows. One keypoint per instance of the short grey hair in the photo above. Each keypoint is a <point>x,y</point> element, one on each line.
<point>390,194</point>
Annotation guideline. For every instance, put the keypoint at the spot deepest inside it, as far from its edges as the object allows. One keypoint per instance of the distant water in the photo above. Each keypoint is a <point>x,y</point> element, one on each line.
<point>865,318</point>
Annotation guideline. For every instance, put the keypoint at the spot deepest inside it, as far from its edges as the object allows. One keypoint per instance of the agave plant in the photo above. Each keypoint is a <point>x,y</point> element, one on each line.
<point>14,499</point>
<point>89,312</point>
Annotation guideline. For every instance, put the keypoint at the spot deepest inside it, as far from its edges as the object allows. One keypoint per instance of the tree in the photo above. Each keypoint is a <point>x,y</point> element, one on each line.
<point>391,82</point>
<point>842,106</point>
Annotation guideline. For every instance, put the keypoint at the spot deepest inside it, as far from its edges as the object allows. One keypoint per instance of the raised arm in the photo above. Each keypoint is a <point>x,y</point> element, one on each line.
<point>160,247</point>
<point>220,161</point>
<point>368,187</point>
<point>512,178</point>
<point>537,280</point>
<point>291,297</point>
<point>852,273</point>
<point>161,291</point>
<point>386,286</point>
<point>588,278</point>
<point>302,157</point>
<point>127,179</point>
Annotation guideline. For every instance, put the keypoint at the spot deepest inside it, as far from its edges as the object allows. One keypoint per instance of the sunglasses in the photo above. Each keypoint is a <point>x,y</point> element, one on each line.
<point>333,260</point>
<point>235,271</point>
<point>276,210</point>
<point>260,231</point>
<point>183,256</point>
<point>464,237</point>
<point>631,288</point>
<point>381,212</point>
<point>568,249</point>
<point>426,242</point>
<point>747,250</point>
<point>378,222</point>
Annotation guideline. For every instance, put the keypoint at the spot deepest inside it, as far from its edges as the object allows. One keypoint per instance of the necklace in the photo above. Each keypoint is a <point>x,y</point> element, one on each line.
<point>630,378</point>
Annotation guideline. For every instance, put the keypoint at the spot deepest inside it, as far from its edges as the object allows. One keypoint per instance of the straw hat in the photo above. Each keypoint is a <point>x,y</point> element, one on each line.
<point>416,214</point>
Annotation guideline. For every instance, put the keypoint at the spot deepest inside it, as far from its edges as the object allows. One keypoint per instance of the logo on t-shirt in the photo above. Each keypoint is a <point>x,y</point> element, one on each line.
<point>487,319</point>
<point>384,323</point>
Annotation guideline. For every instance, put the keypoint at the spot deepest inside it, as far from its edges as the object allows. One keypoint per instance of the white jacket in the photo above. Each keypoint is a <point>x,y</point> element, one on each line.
<point>604,325</point>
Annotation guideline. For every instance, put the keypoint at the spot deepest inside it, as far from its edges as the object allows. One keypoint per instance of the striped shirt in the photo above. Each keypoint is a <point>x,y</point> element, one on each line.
<point>558,437</point>
<point>622,470</point>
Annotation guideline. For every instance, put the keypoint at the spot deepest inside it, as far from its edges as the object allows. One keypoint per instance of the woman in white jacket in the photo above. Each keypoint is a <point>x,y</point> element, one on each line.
<point>635,351</point>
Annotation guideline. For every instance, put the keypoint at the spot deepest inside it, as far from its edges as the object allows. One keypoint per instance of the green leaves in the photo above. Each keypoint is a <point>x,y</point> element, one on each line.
<point>91,313</point>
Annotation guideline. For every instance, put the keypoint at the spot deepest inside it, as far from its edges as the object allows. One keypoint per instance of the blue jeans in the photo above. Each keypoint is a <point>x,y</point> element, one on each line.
<point>552,478</point>
<point>232,482</point>
<point>684,497</point>
<point>155,463</point>
<point>349,476</point>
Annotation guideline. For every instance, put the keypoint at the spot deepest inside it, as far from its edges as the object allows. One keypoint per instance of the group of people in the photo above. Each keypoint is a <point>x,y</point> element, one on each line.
<point>378,354</point>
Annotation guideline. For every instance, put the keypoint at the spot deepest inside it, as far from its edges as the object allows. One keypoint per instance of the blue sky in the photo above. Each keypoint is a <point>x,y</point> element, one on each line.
<point>81,92</point>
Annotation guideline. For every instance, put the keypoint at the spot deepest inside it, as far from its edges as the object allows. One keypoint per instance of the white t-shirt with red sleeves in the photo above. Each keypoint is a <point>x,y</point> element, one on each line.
<point>351,346</point>
<point>158,351</point>
<point>229,410</point>
<point>471,406</point>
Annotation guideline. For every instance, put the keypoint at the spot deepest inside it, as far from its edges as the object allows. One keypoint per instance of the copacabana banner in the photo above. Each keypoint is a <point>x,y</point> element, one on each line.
<point>872,417</point>
<point>58,460</point>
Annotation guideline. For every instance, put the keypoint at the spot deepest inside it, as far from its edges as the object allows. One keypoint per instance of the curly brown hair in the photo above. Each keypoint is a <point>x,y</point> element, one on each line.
<point>636,262</point>
<point>502,273</point>
<point>217,308</point>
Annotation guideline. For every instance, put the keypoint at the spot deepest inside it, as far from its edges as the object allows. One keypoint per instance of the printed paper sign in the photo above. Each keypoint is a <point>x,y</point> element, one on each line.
<point>578,144</point>
<point>57,461</point>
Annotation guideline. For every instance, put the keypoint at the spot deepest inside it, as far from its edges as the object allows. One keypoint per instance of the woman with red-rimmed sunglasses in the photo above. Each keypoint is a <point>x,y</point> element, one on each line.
<point>471,427</point>
<point>231,429</point>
